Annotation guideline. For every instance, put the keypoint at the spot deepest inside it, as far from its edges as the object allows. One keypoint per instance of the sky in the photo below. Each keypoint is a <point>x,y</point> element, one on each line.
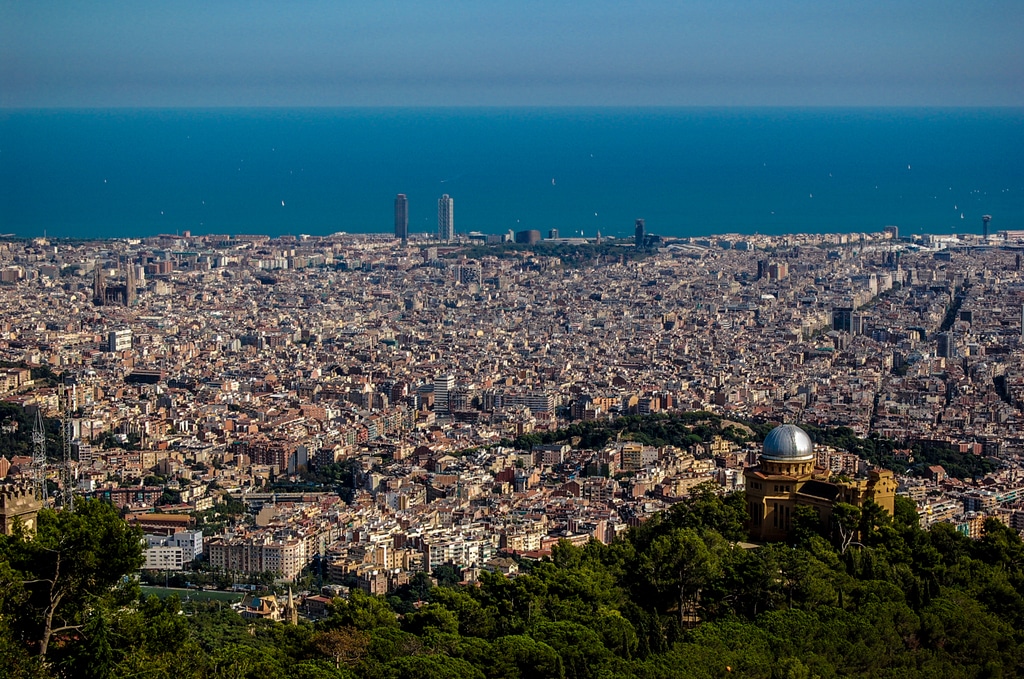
<point>107,53</point>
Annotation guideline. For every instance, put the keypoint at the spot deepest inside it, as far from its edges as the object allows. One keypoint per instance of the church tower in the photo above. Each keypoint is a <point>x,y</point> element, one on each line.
<point>99,286</point>
<point>130,284</point>
<point>291,613</point>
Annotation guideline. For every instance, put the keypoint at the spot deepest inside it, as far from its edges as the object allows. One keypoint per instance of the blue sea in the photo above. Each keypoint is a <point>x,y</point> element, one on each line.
<point>687,172</point>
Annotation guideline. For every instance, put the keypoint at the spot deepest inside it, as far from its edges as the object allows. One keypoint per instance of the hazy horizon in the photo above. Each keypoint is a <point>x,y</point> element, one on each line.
<point>791,53</point>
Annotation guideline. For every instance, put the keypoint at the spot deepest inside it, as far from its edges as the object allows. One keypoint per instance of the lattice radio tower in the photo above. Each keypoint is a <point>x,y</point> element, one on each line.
<point>39,457</point>
<point>67,471</point>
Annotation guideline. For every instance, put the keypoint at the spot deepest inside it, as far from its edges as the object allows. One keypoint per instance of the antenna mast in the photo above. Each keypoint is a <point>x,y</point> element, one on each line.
<point>39,457</point>
<point>67,471</point>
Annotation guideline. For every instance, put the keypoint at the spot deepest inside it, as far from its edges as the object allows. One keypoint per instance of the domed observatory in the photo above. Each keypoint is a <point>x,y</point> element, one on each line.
<point>787,476</point>
<point>788,450</point>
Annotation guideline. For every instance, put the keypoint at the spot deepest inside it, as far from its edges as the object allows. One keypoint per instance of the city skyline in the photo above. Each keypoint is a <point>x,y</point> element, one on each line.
<point>351,415</point>
<point>770,421</point>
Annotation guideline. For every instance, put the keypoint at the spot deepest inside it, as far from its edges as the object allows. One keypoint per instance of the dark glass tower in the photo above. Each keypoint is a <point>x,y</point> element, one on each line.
<point>402,217</point>
<point>445,219</point>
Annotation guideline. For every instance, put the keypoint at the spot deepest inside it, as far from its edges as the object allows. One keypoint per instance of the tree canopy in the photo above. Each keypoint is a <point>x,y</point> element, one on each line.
<point>678,596</point>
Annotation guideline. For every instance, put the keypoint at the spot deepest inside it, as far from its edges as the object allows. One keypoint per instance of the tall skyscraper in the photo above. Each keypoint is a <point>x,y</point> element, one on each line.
<point>842,319</point>
<point>640,233</point>
<point>443,385</point>
<point>945,345</point>
<point>777,271</point>
<point>445,219</point>
<point>402,217</point>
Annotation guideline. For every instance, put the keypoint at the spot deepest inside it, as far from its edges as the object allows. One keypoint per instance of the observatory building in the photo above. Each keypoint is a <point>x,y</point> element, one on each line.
<point>786,478</point>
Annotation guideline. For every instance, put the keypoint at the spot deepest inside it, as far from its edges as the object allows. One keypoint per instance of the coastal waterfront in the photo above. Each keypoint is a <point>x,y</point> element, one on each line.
<point>511,340</point>
<point>689,172</point>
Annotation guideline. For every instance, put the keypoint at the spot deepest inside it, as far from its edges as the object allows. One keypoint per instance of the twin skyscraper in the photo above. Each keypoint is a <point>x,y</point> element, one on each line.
<point>445,218</point>
<point>402,217</point>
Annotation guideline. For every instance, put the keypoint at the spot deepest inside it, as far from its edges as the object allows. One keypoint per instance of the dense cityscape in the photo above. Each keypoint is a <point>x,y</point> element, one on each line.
<point>223,365</point>
<point>323,415</point>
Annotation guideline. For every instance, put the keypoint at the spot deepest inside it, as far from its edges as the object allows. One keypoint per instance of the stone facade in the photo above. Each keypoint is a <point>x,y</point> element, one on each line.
<point>783,481</point>
<point>18,502</point>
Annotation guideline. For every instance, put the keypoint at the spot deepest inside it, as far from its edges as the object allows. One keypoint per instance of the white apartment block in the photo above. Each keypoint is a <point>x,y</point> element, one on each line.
<point>173,552</point>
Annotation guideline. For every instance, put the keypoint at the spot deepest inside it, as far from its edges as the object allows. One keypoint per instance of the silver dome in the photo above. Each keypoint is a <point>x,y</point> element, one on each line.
<point>788,443</point>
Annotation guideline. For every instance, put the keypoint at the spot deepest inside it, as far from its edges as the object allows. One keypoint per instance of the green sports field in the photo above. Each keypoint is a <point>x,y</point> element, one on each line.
<point>193,594</point>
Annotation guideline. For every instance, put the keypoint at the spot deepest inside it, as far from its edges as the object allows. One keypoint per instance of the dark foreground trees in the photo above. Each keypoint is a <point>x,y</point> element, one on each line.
<point>678,597</point>
<point>55,577</point>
